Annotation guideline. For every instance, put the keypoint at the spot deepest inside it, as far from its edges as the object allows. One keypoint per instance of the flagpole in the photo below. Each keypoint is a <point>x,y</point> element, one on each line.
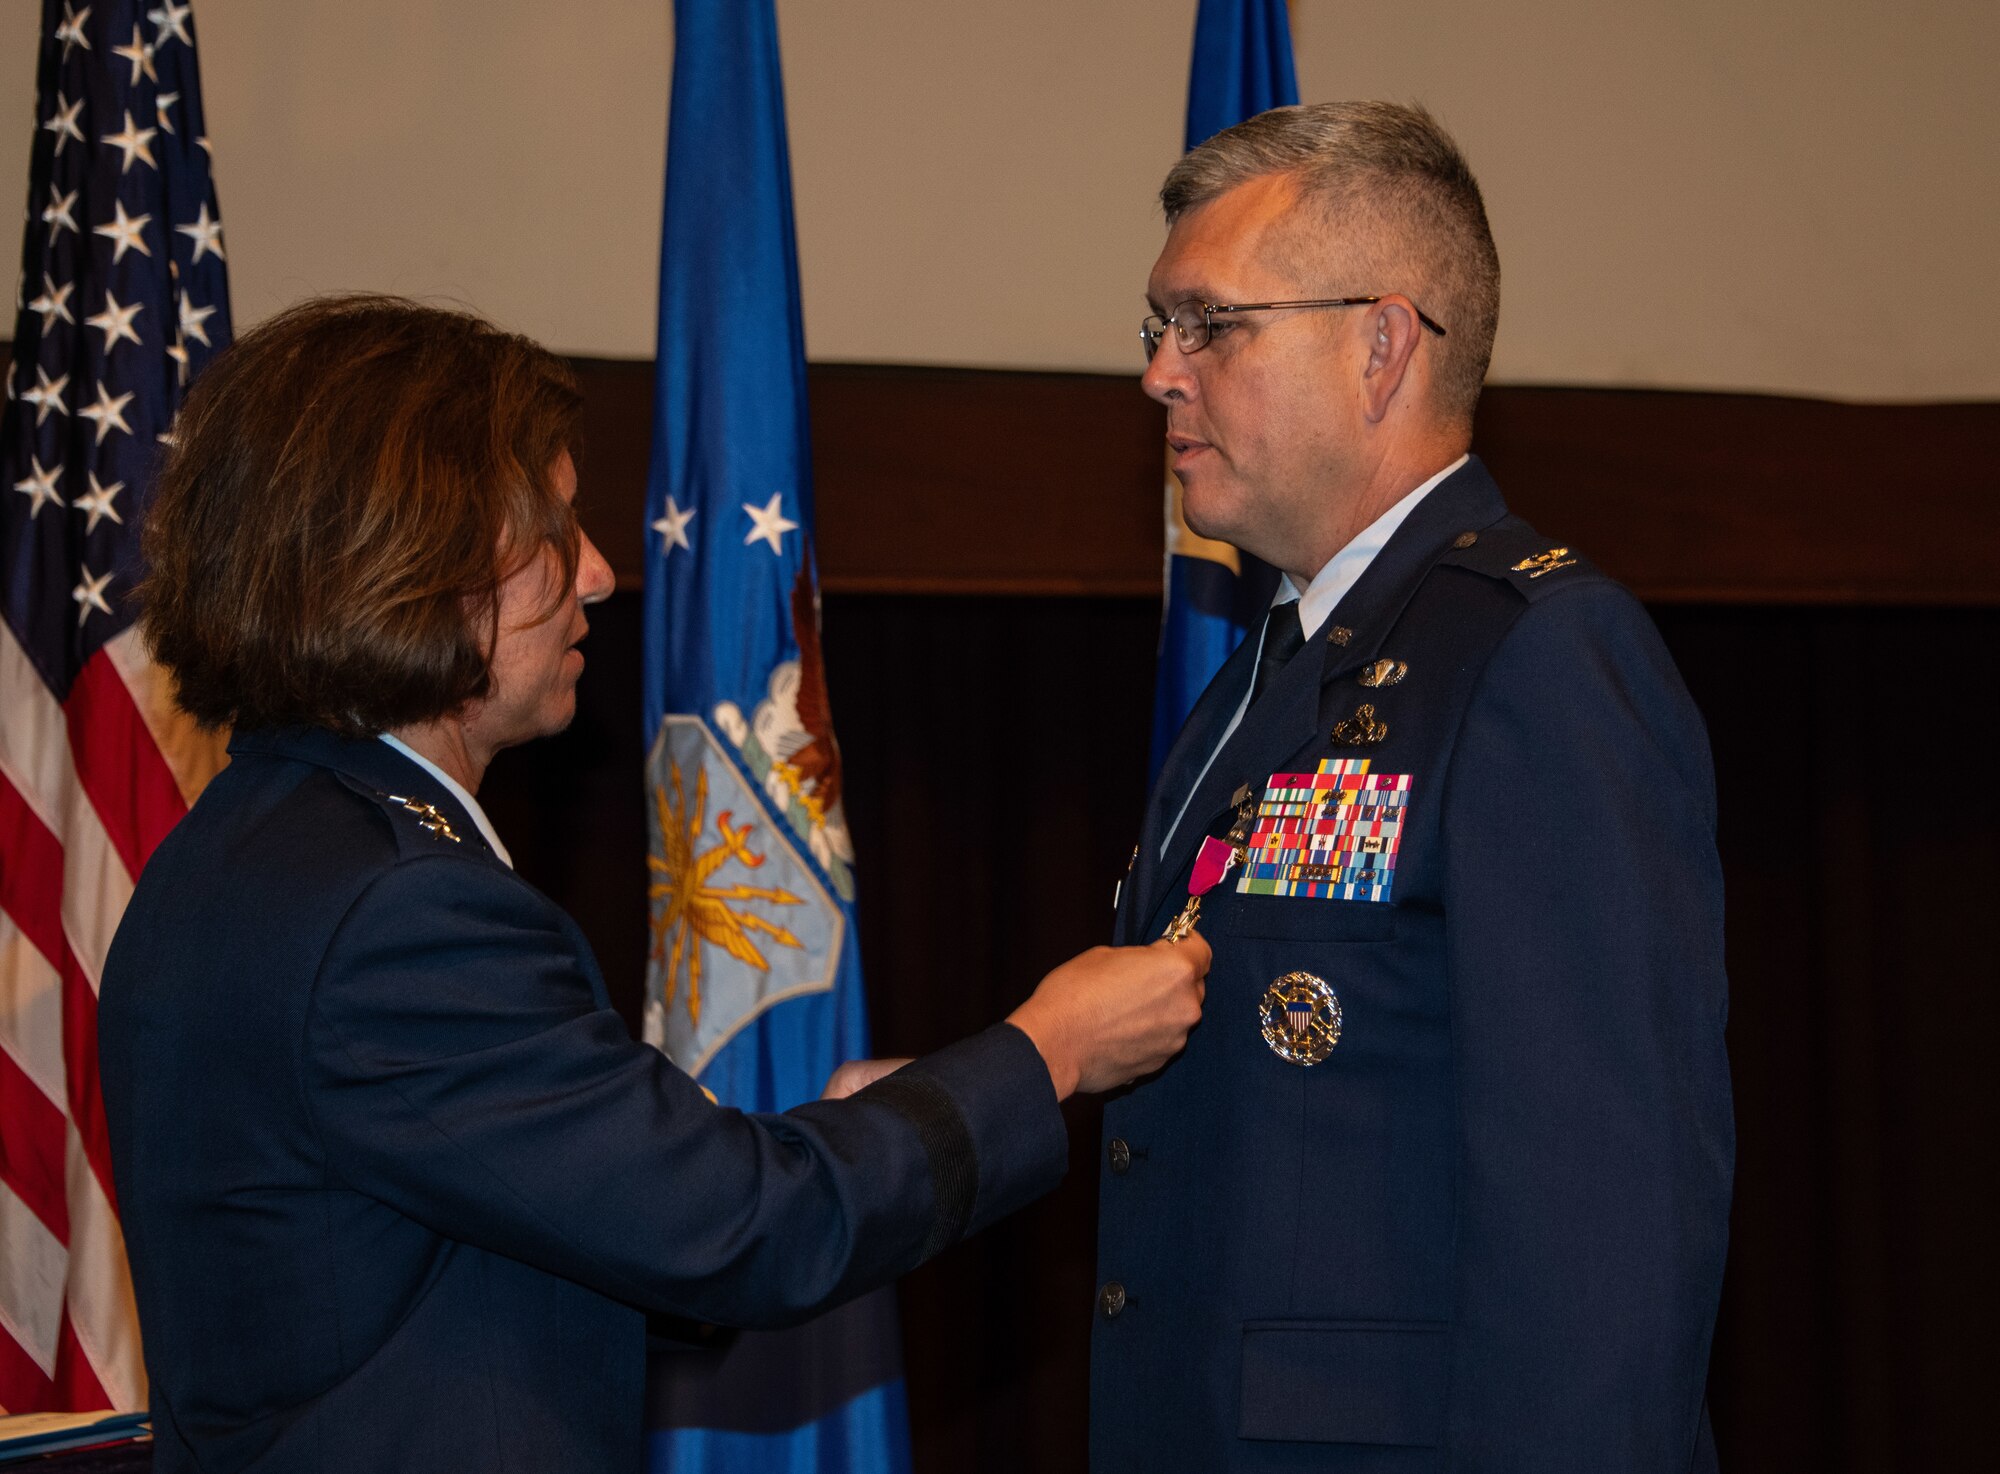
<point>1213,593</point>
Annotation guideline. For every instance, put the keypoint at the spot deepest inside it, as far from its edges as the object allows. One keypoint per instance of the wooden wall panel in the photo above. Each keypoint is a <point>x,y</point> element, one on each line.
<point>1737,498</point>
<point>945,481</point>
<point>933,480</point>
<point>988,482</point>
<point>973,481</point>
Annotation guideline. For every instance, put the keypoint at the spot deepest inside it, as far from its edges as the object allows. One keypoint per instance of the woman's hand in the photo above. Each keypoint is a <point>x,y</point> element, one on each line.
<point>858,1074</point>
<point>1113,1014</point>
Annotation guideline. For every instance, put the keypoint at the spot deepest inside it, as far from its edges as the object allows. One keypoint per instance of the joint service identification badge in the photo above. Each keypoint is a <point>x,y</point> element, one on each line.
<point>1301,1018</point>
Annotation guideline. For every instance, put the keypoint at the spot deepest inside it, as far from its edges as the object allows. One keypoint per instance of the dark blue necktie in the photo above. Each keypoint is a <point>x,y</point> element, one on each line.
<point>1283,638</point>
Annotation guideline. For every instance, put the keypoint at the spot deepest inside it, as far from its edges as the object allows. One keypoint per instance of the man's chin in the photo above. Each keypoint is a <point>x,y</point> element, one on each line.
<point>1208,522</point>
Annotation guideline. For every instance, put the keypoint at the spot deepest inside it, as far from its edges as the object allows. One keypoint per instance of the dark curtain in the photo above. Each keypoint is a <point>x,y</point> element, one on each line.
<point>995,750</point>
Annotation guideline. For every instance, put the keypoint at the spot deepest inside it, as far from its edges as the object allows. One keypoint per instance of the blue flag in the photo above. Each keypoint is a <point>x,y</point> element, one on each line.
<point>1215,594</point>
<point>754,982</point>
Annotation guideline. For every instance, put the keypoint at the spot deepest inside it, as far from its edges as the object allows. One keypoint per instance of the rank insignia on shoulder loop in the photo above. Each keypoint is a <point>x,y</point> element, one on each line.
<point>427,816</point>
<point>1361,729</point>
<point>1383,673</point>
<point>1301,1018</point>
<point>1547,562</point>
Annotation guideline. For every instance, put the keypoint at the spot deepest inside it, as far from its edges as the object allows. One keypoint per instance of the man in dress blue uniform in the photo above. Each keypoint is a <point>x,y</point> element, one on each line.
<point>1442,1180</point>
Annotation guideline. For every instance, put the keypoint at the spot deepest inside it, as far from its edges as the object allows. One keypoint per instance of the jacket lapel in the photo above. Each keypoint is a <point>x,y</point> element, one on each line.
<point>1282,721</point>
<point>1466,501</point>
<point>1197,739</point>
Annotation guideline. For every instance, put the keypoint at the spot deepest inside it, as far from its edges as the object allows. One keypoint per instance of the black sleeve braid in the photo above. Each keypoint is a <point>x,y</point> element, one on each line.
<point>947,1142</point>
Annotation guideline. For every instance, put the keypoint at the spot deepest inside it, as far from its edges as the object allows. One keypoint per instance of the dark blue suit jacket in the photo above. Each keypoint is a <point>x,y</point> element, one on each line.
<point>398,1186</point>
<point>1487,1231</point>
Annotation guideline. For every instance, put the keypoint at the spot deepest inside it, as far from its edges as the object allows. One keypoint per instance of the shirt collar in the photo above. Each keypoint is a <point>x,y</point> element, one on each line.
<point>457,791</point>
<point>1330,585</point>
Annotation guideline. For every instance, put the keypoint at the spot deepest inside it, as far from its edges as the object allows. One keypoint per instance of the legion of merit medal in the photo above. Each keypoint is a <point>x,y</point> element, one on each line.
<point>1213,862</point>
<point>1215,859</point>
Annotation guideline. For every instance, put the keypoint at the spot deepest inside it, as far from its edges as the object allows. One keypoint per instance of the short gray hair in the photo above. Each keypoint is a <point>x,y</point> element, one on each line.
<point>1393,172</point>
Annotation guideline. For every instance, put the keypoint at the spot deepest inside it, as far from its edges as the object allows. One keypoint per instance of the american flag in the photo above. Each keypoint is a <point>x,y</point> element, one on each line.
<point>123,298</point>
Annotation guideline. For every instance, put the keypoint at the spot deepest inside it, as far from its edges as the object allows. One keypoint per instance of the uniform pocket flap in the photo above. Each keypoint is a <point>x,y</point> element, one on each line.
<point>1306,919</point>
<point>1378,1382</point>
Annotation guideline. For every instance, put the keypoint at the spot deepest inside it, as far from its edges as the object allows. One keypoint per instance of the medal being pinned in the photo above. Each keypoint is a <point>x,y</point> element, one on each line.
<point>1212,864</point>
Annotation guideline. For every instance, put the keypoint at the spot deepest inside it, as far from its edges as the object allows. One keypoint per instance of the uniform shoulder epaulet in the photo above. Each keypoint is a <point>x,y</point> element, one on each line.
<point>415,824</point>
<point>1528,561</point>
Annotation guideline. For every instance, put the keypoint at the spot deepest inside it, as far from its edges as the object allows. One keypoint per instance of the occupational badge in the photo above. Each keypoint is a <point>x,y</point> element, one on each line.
<point>1360,730</point>
<point>1301,1018</point>
<point>1384,673</point>
<point>1333,834</point>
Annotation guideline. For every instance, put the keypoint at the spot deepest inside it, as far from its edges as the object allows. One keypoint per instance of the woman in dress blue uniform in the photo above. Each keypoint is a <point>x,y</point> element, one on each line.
<point>397,1185</point>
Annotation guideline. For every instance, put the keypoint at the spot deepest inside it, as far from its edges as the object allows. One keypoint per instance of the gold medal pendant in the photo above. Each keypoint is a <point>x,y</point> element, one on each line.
<point>1301,1018</point>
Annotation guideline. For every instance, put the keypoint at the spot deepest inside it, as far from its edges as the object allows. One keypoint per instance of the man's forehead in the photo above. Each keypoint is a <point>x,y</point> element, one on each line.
<point>1228,245</point>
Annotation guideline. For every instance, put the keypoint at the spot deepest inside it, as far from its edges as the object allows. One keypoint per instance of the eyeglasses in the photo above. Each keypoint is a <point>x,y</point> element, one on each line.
<point>1193,321</point>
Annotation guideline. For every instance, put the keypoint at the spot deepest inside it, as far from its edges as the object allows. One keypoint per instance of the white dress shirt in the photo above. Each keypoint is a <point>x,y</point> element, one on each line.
<point>453,787</point>
<point>1328,587</point>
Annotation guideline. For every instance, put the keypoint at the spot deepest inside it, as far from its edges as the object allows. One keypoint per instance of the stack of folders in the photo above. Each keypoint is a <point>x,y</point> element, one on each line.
<point>76,1443</point>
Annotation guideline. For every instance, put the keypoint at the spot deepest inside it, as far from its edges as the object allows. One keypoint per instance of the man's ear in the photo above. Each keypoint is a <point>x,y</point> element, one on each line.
<point>1394,332</point>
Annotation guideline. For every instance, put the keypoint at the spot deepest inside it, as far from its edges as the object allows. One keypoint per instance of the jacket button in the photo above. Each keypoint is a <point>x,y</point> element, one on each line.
<point>1121,1155</point>
<point>1111,1299</point>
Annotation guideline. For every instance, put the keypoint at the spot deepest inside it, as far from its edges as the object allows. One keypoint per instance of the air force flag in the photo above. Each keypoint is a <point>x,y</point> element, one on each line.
<point>754,984</point>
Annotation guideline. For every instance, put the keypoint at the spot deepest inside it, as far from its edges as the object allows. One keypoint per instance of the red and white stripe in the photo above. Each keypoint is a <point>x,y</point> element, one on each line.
<point>87,789</point>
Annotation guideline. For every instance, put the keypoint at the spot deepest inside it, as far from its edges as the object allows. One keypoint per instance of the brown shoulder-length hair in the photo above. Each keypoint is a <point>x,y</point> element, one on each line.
<point>349,485</point>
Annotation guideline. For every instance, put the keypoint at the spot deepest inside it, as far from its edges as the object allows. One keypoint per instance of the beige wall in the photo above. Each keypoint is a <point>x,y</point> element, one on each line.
<point>1790,195</point>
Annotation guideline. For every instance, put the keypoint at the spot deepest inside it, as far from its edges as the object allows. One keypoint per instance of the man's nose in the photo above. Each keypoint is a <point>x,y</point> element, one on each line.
<point>1167,378</point>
